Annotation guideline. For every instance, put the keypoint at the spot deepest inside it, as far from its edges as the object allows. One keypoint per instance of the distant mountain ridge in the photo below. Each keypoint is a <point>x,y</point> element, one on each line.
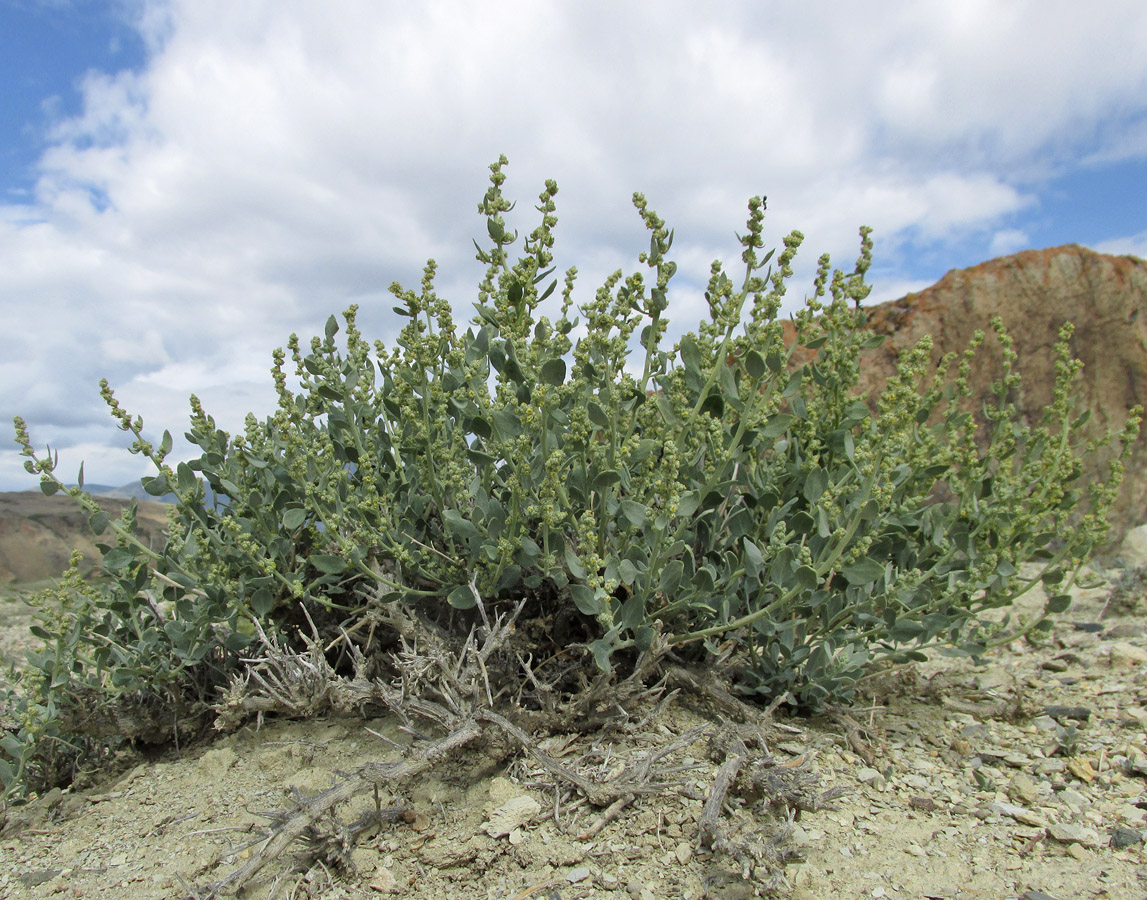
<point>131,491</point>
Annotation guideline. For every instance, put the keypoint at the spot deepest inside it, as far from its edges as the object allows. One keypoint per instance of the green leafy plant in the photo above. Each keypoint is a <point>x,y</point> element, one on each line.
<point>729,495</point>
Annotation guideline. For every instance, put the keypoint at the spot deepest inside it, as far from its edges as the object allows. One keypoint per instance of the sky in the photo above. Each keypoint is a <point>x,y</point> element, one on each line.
<point>184,183</point>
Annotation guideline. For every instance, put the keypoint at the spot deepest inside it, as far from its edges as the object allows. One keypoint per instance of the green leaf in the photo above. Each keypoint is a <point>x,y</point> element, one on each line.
<point>691,356</point>
<point>461,597</point>
<point>634,512</point>
<point>262,602</point>
<point>11,745</point>
<point>585,599</point>
<point>459,525</point>
<point>671,576</point>
<point>156,485</point>
<point>293,518</point>
<point>573,564</point>
<point>483,459</point>
<point>688,503</point>
<point>665,407</point>
<point>863,571</point>
<point>554,372</point>
<point>806,577</point>
<point>328,564</point>
<point>605,479</point>
<point>816,483</point>
<point>597,414</point>
<point>511,578</point>
<point>714,405</point>
<point>98,522</point>
<point>118,559</point>
<point>753,554</point>
<point>507,424</point>
<point>905,630</point>
<point>481,427</point>
<point>755,365</point>
<point>631,614</point>
<point>530,549</point>
<point>48,486</point>
<point>777,425</point>
<point>236,641</point>
<point>332,328</point>
<point>703,580</point>
<point>628,572</point>
<point>496,230</point>
<point>602,651</point>
<point>1059,603</point>
<point>185,477</point>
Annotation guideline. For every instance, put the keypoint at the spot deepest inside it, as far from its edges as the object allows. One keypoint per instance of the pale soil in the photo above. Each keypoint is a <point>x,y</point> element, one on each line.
<point>955,789</point>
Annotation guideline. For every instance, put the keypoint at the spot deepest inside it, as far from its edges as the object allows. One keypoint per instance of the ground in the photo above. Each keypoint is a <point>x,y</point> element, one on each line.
<point>1019,776</point>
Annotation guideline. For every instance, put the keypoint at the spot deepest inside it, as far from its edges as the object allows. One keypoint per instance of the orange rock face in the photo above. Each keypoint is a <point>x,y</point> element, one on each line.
<point>1035,292</point>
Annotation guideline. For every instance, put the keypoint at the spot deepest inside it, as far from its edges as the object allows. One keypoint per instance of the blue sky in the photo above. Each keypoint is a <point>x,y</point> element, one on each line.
<point>45,51</point>
<point>183,183</point>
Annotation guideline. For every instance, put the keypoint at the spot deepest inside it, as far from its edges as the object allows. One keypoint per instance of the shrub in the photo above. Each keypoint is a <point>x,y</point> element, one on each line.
<point>716,496</point>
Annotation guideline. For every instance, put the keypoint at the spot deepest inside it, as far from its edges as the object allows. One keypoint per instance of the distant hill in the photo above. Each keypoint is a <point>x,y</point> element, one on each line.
<point>38,533</point>
<point>1035,292</point>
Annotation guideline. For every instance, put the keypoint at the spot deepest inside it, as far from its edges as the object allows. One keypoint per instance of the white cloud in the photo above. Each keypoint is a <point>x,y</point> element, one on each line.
<point>274,162</point>
<point>1131,245</point>
<point>1009,240</point>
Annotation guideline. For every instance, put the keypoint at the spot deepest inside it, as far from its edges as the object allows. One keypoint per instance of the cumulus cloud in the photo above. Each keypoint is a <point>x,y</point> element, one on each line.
<point>1009,240</point>
<point>1131,245</point>
<point>273,162</point>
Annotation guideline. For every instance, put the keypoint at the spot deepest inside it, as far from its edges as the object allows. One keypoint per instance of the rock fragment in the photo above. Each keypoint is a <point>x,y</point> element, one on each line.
<point>1024,789</point>
<point>1024,816</point>
<point>514,813</point>
<point>1126,656</point>
<point>1081,768</point>
<point>1122,838</point>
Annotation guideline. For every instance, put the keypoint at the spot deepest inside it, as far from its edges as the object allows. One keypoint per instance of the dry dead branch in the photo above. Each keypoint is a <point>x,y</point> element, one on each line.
<point>452,689</point>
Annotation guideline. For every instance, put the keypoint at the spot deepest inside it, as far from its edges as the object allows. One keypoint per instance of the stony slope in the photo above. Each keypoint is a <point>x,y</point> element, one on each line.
<point>38,533</point>
<point>1035,292</point>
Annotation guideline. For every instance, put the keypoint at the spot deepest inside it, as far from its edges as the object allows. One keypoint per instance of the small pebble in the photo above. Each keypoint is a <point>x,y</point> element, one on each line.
<point>1025,816</point>
<point>1023,789</point>
<point>581,873</point>
<point>1074,800</point>
<point>1081,768</point>
<point>1122,838</point>
<point>871,777</point>
<point>1074,834</point>
<point>1077,852</point>
<point>1125,656</point>
<point>1079,713</point>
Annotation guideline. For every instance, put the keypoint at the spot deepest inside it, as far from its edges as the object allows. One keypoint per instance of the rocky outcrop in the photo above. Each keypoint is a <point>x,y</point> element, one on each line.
<point>1035,292</point>
<point>38,533</point>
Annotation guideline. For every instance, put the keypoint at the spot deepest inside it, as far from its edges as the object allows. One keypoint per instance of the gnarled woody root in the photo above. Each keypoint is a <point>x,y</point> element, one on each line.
<point>454,693</point>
